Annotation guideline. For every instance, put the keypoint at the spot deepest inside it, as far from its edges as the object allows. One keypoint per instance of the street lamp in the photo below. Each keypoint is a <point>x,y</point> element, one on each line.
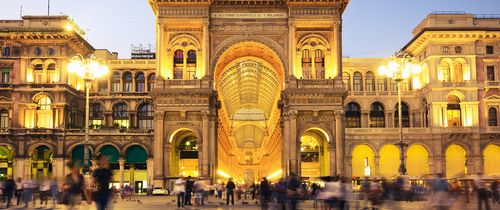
<point>88,69</point>
<point>400,67</point>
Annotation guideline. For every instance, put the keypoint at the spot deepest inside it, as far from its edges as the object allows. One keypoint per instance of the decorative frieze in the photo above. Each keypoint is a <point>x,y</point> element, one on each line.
<point>182,12</point>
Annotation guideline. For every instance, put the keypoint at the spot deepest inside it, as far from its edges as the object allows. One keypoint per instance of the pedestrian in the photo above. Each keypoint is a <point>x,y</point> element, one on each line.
<point>28,187</point>
<point>230,186</point>
<point>265,193</point>
<point>220,189</point>
<point>54,190</point>
<point>189,191</point>
<point>8,190</point>
<point>375,193</point>
<point>74,186</point>
<point>199,188</point>
<point>292,191</point>
<point>441,188</point>
<point>180,191</point>
<point>482,192</point>
<point>495,190</point>
<point>19,189</point>
<point>44,189</point>
<point>101,177</point>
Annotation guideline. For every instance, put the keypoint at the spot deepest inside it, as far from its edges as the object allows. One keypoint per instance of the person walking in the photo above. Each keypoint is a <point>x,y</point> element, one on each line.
<point>8,190</point>
<point>189,190</point>
<point>180,191</point>
<point>441,189</point>
<point>265,193</point>
<point>28,187</point>
<point>54,190</point>
<point>482,192</point>
<point>230,186</point>
<point>19,190</point>
<point>101,177</point>
<point>44,189</point>
<point>74,186</point>
<point>293,193</point>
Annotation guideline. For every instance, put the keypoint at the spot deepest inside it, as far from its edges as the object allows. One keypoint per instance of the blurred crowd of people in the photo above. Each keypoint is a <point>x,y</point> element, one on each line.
<point>71,190</point>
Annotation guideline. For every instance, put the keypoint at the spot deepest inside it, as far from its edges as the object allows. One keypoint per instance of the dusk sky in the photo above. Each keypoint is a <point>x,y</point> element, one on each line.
<point>372,28</point>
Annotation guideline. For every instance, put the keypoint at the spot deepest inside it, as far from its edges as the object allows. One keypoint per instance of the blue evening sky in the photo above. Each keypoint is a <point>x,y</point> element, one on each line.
<point>372,28</point>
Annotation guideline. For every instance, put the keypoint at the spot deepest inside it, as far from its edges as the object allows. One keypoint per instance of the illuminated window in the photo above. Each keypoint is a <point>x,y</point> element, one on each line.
<point>4,118</point>
<point>44,112</point>
<point>370,81</point>
<point>490,73</point>
<point>492,117</point>
<point>127,82</point>
<point>151,82</point>
<point>382,84</point>
<point>51,73</point>
<point>353,115</point>
<point>145,116</point>
<point>405,113</point>
<point>454,112</point>
<point>357,82</point>
<point>139,83</point>
<point>346,78</point>
<point>191,64</point>
<point>115,82</point>
<point>445,71</point>
<point>377,116</point>
<point>306,64</point>
<point>458,75</point>
<point>319,64</point>
<point>458,50</point>
<point>446,50</point>
<point>6,74</point>
<point>96,114</point>
<point>178,64</point>
<point>120,115</point>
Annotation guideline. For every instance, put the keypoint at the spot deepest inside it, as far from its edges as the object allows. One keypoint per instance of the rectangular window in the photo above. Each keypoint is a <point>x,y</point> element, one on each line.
<point>490,73</point>
<point>127,87</point>
<point>6,51</point>
<point>121,123</point>
<point>454,118</point>
<point>6,75</point>
<point>306,70</point>
<point>489,49</point>
<point>116,87</point>
<point>178,72</point>
<point>382,85</point>
<point>191,70</point>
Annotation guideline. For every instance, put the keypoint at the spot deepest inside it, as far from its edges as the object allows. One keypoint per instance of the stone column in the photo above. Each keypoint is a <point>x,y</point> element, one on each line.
<point>203,167</point>
<point>18,169</point>
<point>388,120</point>
<point>167,149</point>
<point>121,162</point>
<point>477,159</point>
<point>365,117</point>
<point>337,47</point>
<point>293,141</point>
<point>206,49</point>
<point>333,159</point>
<point>213,147</point>
<point>377,166</point>
<point>149,165</point>
<point>339,141</point>
<point>285,146</point>
<point>158,148</point>
<point>291,49</point>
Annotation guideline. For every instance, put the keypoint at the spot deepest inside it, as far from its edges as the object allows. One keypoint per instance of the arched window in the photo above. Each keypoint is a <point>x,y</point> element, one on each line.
<point>382,83</point>
<point>346,78</point>
<point>405,113</point>
<point>4,118</point>
<point>370,81</point>
<point>492,117</point>
<point>458,74</point>
<point>178,64</point>
<point>446,50</point>
<point>151,81</point>
<point>458,50</point>
<point>96,115</point>
<point>44,112</point>
<point>453,111</point>
<point>353,115</point>
<point>306,64</point>
<point>51,73</point>
<point>120,115</point>
<point>319,64</point>
<point>115,82</point>
<point>377,115</point>
<point>444,68</point>
<point>127,82</point>
<point>357,82</point>
<point>191,64</point>
<point>145,116</point>
<point>139,83</point>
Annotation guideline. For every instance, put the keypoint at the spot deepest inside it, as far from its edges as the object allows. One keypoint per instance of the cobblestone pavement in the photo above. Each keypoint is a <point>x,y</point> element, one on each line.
<point>168,202</point>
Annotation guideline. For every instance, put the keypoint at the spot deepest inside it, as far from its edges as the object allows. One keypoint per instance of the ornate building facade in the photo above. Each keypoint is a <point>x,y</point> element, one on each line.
<point>248,89</point>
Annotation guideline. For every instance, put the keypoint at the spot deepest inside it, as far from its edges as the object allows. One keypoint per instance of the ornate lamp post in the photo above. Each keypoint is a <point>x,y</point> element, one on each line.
<point>88,69</point>
<point>400,67</point>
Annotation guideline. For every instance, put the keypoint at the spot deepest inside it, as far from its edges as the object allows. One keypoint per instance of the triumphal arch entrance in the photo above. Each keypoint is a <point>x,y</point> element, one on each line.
<point>248,89</point>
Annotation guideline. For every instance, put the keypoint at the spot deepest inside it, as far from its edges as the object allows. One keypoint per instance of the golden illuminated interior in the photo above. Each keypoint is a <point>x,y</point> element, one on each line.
<point>249,81</point>
<point>417,161</point>
<point>389,161</point>
<point>363,161</point>
<point>455,161</point>
<point>314,154</point>
<point>491,160</point>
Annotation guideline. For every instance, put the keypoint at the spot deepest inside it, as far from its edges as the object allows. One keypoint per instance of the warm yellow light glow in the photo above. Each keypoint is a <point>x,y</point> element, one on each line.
<point>382,70</point>
<point>90,68</point>
<point>416,83</point>
<point>223,174</point>
<point>275,174</point>
<point>389,161</point>
<point>491,159</point>
<point>360,155</point>
<point>417,161</point>
<point>455,161</point>
<point>69,27</point>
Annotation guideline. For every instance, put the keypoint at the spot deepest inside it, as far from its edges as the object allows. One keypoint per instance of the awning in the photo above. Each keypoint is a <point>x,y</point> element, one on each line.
<point>111,152</point>
<point>136,154</point>
<point>77,155</point>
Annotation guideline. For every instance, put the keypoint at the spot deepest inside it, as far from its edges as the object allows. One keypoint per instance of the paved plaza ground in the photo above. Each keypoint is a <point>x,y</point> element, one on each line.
<point>168,202</point>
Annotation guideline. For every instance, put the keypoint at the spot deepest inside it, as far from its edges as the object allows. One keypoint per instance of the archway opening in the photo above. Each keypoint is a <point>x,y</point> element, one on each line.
<point>455,161</point>
<point>363,161</point>
<point>417,161</point>
<point>136,167</point>
<point>491,155</point>
<point>185,155</point>
<point>6,155</point>
<point>389,161</point>
<point>41,161</point>
<point>249,78</point>
<point>77,155</point>
<point>314,154</point>
<point>114,157</point>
